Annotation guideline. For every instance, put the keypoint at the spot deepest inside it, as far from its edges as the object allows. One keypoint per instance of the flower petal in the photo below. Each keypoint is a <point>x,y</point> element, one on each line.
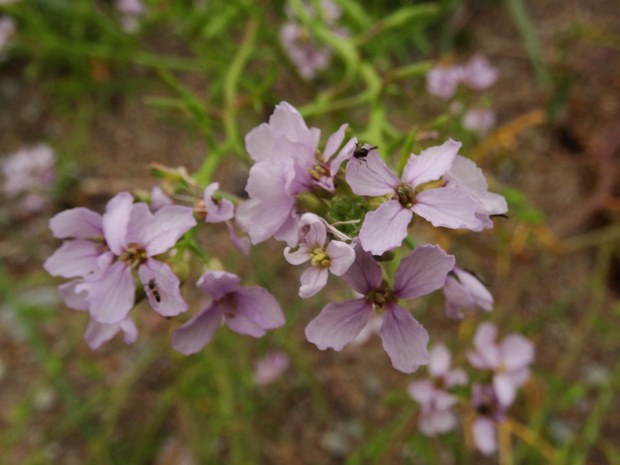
<point>161,286</point>
<point>110,293</point>
<point>115,221</point>
<point>365,274</point>
<point>242,244</point>
<point>73,258</point>
<point>404,339</point>
<point>344,154</point>
<point>98,334</point>
<point>259,306</point>
<point>217,284</point>
<point>338,323</point>
<point>217,211</point>
<point>334,141</point>
<point>436,421</point>
<point>79,223</point>
<point>263,219</point>
<point>159,198</point>
<point>385,228</point>
<point>505,389</point>
<point>487,355</point>
<point>270,367</point>
<point>423,271</point>
<point>166,228</point>
<point>465,290</point>
<point>73,299</point>
<point>287,121</point>
<point>315,230</point>
<point>371,176</point>
<point>341,256</point>
<point>259,142</point>
<point>299,256</point>
<point>431,164</point>
<point>485,435</point>
<point>197,332</point>
<point>449,208</point>
<point>440,360</point>
<point>422,391</point>
<point>516,352</point>
<point>241,324</point>
<point>312,281</point>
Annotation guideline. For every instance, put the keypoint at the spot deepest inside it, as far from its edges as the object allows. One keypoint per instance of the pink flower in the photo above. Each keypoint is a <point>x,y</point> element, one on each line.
<point>106,250</point>
<point>303,50</point>
<point>480,120</point>
<point>246,310</point>
<point>478,74</point>
<point>466,176</point>
<point>270,367</point>
<point>284,150</point>
<point>436,415</point>
<point>509,360</point>
<point>442,81</point>
<point>335,256</point>
<point>464,290</point>
<point>404,339</point>
<point>385,228</point>
<point>29,170</point>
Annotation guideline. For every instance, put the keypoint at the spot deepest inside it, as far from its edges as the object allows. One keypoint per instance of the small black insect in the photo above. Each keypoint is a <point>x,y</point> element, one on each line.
<point>154,290</point>
<point>361,151</point>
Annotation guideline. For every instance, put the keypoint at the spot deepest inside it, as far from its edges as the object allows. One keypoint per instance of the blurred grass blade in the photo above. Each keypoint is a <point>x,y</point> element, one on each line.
<point>530,40</point>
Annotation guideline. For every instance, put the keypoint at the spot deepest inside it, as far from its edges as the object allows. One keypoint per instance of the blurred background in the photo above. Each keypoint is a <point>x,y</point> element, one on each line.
<point>98,90</point>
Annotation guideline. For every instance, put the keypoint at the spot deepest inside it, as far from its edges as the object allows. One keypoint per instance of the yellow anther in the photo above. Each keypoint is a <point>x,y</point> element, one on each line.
<point>320,258</point>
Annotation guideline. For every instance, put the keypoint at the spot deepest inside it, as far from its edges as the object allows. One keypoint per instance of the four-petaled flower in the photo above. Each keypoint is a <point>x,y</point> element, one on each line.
<point>436,415</point>
<point>122,241</point>
<point>404,339</point>
<point>336,256</point>
<point>509,360</point>
<point>246,310</point>
<point>447,206</point>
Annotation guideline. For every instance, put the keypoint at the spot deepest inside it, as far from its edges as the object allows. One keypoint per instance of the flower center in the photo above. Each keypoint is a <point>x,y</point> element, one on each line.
<point>231,305</point>
<point>406,195</point>
<point>319,258</point>
<point>135,255</point>
<point>319,169</point>
<point>380,297</point>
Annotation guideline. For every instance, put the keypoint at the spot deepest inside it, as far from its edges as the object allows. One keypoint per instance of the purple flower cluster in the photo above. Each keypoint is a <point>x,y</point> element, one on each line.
<point>303,196</point>
<point>506,363</point>
<point>308,56</point>
<point>478,75</point>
